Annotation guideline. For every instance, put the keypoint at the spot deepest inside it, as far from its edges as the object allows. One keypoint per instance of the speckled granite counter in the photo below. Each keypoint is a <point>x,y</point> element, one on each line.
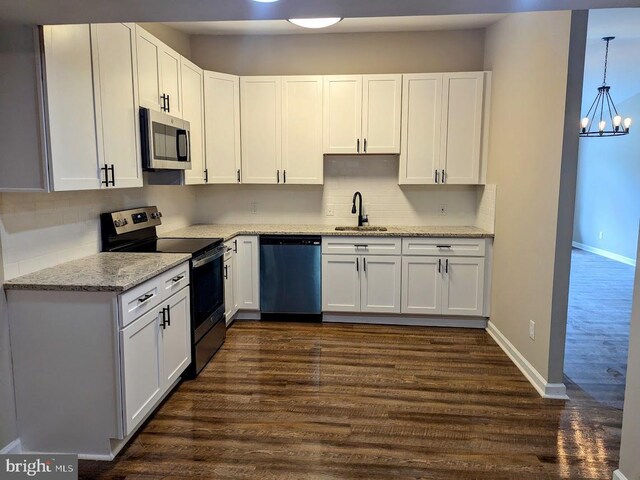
<point>229,231</point>
<point>103,272</point>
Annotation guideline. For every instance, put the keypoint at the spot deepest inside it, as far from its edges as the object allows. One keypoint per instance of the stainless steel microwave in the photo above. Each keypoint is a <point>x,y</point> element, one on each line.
<point>165,141</point>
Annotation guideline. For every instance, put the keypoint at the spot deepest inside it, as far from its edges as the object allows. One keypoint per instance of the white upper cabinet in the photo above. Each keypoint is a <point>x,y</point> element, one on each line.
<point>342,114</point>
<point>116,98</point>
<point>193,112</point>
<point>302,157</point>
<point>442,118</point>
<point>71,122</point>
<point>91,96</point>
<point>381,113</point>
<point>261,129</point>
<point>421,120</point>
<point>362,113</point>
<point>222,127</point>
<point>462,126</point>
<point>159,78</point>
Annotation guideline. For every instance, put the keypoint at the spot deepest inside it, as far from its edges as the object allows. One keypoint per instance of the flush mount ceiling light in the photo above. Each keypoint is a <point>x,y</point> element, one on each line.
<point>315,22</point>
<point>265,1</point>
<point>616,126</point>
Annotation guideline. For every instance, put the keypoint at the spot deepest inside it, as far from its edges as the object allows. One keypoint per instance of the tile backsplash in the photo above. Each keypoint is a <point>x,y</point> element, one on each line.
<point>376,176</point>
<point>39,230</point>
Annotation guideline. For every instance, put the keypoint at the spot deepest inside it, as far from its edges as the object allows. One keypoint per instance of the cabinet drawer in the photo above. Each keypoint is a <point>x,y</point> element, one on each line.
<point>361,245</point>
<point>139,300</point>
<point>449,247</point>
<point>175,279</point>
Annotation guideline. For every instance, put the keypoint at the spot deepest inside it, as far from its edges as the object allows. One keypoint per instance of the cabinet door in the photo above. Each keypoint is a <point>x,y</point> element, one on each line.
<point>229,287</point>
<point>193,112</point>
<point>421,121</point>
<point>341,283</point>
<point>302,157</point>
<point>141,365</point>
<point>116,97</point>
<point>222,127</point>
<point>381,107</point>
<point>381,281</point>
<point>248,271</point>
<point>176,337</point>
<point>422,285</point>
<point>73,144</point>
<point>261,113</point>
<point>171,79</point>
<point>148,62</point>
<point>463,286</point>
<point>462,127</point>
<point>342,114</point>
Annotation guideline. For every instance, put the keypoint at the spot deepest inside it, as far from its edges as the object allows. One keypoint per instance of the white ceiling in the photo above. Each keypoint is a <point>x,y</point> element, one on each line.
<point>348,25</point>
<point>619,23</point>
<point>83,11</point>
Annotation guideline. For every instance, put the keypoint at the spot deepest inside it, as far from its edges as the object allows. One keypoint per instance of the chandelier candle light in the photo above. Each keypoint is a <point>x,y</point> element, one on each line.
<point>603,100</point>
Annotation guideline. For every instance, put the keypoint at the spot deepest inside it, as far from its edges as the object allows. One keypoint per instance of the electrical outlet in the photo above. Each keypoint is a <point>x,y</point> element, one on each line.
<point>601,235</point>
<point>331,210</point>
<point>253,207</point>
<point>443,209</point>
<point>532,330</point>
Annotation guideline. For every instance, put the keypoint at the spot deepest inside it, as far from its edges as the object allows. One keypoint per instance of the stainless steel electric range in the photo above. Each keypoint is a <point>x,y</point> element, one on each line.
<point>134,230</point>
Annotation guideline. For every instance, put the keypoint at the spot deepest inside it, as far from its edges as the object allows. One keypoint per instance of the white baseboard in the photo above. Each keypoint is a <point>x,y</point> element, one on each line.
<point>13,447</point>
<point>406,320</point>
<point>618,475</point>
<point>247,315</point>
<point>546,390</point>
<point>605,253</point>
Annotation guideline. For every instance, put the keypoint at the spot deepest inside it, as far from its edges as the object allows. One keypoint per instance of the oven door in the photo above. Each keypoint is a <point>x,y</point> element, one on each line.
<point>207,291</point>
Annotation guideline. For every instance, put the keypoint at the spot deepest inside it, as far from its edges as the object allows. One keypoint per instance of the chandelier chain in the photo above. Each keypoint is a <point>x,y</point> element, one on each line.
<point>606,61</point>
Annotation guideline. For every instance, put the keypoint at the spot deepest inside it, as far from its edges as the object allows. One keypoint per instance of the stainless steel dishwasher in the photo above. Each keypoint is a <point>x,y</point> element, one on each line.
<point>290,277</point>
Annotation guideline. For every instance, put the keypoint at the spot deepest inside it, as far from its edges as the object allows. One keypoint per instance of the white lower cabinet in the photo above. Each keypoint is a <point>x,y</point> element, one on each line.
<point>361,283</point>
<point>443,285</point>
<point>248,273</point>
<point>231,295</point>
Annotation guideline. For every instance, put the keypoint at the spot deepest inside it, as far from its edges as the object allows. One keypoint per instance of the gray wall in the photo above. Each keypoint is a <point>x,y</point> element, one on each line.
<point>608,194</point>
<point>318,54</point>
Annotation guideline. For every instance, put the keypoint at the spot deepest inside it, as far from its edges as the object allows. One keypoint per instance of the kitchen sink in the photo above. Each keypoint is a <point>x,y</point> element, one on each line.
<point>361,229</point>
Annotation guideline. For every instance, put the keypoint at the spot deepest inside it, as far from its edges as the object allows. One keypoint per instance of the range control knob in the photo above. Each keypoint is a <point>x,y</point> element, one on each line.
<point>125,222</point>
<point>156,215</point>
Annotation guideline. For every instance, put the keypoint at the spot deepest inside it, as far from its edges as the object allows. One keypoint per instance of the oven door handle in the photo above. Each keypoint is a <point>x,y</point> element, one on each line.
<point>208,257</point>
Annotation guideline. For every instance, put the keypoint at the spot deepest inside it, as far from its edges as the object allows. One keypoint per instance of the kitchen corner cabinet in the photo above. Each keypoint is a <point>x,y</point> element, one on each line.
<point>159,77</point>
<point>362,114</point>
<point>281,130</point>
<point>192,79</point>
<point>361,274</point>
<point>442,118</point>
<point>222,127</point>
<point>91,106</point>
<point>103,362</point>
<point>248,273</point>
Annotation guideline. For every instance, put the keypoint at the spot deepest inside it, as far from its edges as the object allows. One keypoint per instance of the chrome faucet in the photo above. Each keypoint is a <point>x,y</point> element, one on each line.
<point>362,219</point>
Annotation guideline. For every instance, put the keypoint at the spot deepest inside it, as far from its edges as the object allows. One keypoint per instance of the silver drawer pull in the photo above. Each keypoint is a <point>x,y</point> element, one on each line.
<point>361,246</point>
<point>144,298</point>
<point>443,246</point>
<point>177,278</point>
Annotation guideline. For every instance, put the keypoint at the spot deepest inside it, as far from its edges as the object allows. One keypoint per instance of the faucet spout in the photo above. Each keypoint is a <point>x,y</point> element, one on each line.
<point>361,218</point>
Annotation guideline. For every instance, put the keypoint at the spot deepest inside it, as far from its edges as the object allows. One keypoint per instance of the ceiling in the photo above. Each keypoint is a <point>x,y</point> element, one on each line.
<point>83,11</point>
<point>620,23</point>
<point>348,25</point>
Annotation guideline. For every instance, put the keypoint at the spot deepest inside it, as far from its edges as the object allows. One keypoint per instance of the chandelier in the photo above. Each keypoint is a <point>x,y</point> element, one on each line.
<point>609,122</point>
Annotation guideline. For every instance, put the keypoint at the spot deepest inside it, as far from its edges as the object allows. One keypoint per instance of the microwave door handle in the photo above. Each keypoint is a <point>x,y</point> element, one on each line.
<point>185,134</point>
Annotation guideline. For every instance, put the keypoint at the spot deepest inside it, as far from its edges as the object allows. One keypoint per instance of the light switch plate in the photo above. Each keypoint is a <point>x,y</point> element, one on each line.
<point>532,330</point>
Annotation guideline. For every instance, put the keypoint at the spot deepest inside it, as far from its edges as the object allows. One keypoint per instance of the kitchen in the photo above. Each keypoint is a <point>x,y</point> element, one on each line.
<point>376,176</point>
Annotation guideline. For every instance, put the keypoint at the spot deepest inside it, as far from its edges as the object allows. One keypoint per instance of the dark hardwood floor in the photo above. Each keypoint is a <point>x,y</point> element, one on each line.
<point>597,345</point>
<point>323,401</point>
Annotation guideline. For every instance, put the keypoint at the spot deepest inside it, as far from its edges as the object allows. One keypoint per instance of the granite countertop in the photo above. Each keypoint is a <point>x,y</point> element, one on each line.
<point>227,232</point>
<point>103,272</point>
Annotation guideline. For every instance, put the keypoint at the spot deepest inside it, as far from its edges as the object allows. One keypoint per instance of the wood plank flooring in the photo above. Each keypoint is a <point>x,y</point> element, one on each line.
<point>329,401</point>
<point>597,344</point>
